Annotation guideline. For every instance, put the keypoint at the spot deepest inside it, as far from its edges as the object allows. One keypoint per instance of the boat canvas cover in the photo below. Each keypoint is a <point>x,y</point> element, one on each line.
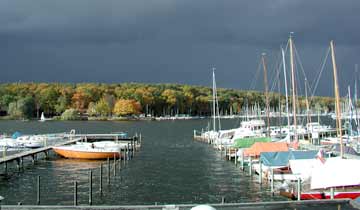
<point>259,147</point>
<point>336,172</point>
<point>282,158</point>
<point>248,142</point>
<point>347,149</point>
<point>304,167</point>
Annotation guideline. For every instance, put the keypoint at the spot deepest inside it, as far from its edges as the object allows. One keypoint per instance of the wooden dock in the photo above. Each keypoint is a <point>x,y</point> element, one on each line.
<point>19,157</point>
<point>332,204</point>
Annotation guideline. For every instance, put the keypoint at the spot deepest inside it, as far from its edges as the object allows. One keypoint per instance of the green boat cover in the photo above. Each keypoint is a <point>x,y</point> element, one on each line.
<point>248,142</point>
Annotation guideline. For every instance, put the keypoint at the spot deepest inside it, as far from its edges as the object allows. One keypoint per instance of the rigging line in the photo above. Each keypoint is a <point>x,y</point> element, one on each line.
<point>316,82</point>
<point>300,63</point>
<point>253,83</point>
<point>276,72</point>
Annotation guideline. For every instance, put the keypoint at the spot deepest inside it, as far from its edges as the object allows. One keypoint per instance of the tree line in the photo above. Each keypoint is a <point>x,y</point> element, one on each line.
<point>28,100</point>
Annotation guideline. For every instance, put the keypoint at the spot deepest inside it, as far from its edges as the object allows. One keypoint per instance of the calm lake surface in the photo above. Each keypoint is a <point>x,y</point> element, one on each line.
<point>169,168</point>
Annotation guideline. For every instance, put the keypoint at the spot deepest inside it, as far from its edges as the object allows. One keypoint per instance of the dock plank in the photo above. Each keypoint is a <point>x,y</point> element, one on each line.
<point>35,151</point>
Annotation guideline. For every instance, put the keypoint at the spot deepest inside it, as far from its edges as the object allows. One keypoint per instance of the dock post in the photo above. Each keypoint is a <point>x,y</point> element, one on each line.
<point>119,162</point>
<point>250,166</point>
<point>229,153</point>
<point>75,193</point>
<point>133,148</point>
<point>114,166</point>
<point>298,188</point>
<point>101,173</point>
<point>332,193</point>
<point>38,191</point>
<point>242,160</point>
<point>222,199</point>
<point>236,157</point>
<point>18,164</point>
<point>4,152</point>
<point>124,154</point>
<point>260,172</point>
<point>108,175</point>
<point>5,167</point>
<point>272,181</point>
<point>90,187</point>
<point>194,134</point>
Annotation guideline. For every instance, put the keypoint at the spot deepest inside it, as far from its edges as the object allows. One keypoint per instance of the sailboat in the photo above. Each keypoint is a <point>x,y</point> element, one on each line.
<point>211,135</point>
<point>334,177</point>
<point>43,118</point>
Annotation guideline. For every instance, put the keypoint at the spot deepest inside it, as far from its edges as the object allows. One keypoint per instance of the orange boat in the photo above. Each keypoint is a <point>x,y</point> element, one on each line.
<point>93,151</point>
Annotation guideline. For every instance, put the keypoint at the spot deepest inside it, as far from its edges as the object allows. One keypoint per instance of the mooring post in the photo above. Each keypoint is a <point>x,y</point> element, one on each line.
<point>260,172</point>
<point>236,157</point>
<point>242,160</point>
<point>272,181</point>
<point>75,193</point>
<point>229,153</point>
<point>298,188</point>
<point>38,191</point>
<point>114,165</point>
<point>108,174</point>
<point>5,167</point>
<point>4,152</point>
<point>18,164</point>
<point>119,162</point>
<point>332,193</point>
<point>101,173</point>
<point>250,166</point>
<point>90,187</point>
<point>1,198</point>
<point>222,199</point>
<point>124,154</point>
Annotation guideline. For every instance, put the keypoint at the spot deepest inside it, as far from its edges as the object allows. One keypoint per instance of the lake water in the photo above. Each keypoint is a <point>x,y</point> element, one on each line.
<point>169,168</point>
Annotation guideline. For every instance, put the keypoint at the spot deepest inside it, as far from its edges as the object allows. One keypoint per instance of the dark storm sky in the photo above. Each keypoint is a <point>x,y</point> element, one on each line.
<point>173,41</point>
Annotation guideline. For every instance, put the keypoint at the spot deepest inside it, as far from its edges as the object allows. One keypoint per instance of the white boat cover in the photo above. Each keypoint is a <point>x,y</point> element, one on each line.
<point>336,172</point>
<point>304,167</point>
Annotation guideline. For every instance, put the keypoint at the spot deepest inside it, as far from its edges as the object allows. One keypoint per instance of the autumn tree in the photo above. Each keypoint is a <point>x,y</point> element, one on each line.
<point>125,107</point>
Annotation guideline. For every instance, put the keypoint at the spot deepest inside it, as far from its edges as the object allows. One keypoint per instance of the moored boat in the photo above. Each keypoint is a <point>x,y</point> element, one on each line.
<point>94,151</point>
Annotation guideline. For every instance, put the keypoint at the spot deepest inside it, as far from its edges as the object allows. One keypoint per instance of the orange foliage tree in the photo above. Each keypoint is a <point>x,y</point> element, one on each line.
<point>124,107</point>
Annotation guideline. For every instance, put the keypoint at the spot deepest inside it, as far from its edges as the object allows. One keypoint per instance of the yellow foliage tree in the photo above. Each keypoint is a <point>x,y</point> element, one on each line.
<point>125,107</point>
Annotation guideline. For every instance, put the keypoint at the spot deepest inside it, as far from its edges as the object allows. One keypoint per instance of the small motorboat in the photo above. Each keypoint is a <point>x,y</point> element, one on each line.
<point>94,151</point>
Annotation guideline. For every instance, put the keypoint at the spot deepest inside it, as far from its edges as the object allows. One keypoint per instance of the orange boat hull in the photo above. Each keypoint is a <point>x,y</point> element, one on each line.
<point>86,155</point>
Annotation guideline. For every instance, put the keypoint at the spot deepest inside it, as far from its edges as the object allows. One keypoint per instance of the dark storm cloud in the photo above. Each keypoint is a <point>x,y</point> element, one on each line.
<point>170,40</point>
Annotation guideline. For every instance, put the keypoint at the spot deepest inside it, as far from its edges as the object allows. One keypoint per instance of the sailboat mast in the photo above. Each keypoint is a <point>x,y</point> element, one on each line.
<point>286,88</point>
<point>307,104</point>
<point>214,105</point>
<point>266,95</point>
<point>355,99</point>
<point>293,86</point>
<point>337,98</point>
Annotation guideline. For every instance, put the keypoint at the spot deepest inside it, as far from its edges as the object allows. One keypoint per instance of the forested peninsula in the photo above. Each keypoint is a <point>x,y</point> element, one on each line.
<point>133,100</point>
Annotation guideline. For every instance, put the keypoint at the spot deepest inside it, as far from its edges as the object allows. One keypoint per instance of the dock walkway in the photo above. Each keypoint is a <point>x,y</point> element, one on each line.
<point>34,152</point>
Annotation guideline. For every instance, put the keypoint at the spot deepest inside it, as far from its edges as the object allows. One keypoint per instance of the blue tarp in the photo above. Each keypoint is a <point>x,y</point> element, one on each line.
<point>16,134</point>
<point>282,158</point>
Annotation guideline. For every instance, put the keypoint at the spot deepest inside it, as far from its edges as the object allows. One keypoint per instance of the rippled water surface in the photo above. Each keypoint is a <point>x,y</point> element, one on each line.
<point>169,168</point>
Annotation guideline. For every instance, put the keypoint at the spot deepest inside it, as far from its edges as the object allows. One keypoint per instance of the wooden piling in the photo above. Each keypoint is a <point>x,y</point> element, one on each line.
<point>90,187</point>
<point>38,191</point>
<point>298,188</point>
<point>101,173</point>
<point>75,193</point>
<point>235,157</point>
<point>332,193</point>
<point>108,174</point>
<point>114,166</point>
<point>272,181</point>
<point>250,166</point>
<point>242,160</point>
<point>260,172</point>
